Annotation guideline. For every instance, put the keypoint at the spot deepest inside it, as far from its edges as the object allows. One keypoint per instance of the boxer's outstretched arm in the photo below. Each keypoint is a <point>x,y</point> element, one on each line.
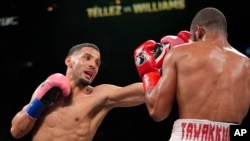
<point>160,99</point>
<point>127,96</point>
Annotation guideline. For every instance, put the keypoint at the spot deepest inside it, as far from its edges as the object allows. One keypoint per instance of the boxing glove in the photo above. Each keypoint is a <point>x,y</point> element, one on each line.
<point>184,35</point>
<point>55,85</point>
<point>170,41</point>
<point>147,57</point>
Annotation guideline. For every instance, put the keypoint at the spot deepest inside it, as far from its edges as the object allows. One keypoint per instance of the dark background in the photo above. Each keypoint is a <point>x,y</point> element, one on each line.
<point>37,45</point>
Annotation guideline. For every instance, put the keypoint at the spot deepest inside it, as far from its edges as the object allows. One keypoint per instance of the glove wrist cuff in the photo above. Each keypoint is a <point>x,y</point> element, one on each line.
<point>35,108</point>
<point>150,79</point>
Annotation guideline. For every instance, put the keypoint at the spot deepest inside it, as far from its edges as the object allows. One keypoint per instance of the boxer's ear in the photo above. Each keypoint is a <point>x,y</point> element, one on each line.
<point>200,32</point>
<point>68,61</point>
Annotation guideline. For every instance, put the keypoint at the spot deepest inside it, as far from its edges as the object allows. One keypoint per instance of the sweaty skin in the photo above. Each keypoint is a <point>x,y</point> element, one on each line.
<point>77,117</point>
<point>208,78</point>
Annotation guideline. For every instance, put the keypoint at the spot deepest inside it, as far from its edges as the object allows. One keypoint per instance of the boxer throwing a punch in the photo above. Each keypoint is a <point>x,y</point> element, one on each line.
<point>209,79</point>
<point>66,107</point>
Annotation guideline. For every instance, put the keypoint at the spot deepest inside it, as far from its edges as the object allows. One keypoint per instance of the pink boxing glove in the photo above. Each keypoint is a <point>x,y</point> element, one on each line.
<point>169,41</point>
<point>184,35</point>
<point>56,80</point>
<point>56,84</point>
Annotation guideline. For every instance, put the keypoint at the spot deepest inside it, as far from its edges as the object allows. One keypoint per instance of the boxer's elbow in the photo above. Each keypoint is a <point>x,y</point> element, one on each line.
<point>16,133</point>
<point>21,125</point>
<point>158,116</point>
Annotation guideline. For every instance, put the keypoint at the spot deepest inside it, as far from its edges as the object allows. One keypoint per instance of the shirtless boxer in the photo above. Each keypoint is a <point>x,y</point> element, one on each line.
<point>66,107</point>
<point>209,79</point>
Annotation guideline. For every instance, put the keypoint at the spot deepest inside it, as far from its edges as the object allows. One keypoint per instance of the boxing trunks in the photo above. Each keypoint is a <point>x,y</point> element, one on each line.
<point>200,130</point>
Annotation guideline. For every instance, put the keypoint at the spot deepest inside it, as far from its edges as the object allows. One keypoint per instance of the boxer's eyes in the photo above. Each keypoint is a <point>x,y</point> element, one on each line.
<point>98,62</point>
<point>87,57</point>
